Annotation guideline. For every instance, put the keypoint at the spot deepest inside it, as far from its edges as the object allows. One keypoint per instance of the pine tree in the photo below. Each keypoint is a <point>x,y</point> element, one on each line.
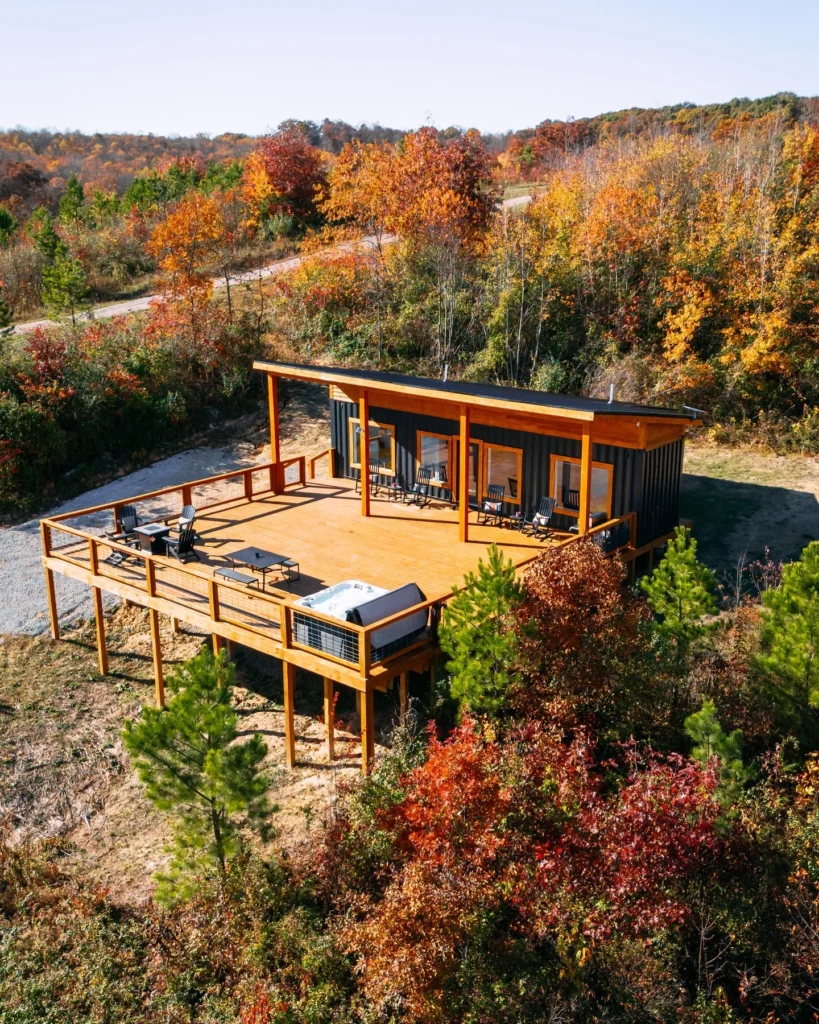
<point>41,228</point>
<point>192,768</point>
<point>711,741</point>
<point>680,592</point>
<point>790,634</point>
<point>65,286</point>
<point>8,225</point>
<point>476,636</point>
<point>72,201</point>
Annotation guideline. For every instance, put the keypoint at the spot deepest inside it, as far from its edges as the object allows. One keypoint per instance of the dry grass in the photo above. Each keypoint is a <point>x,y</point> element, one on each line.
<point>65,774</point>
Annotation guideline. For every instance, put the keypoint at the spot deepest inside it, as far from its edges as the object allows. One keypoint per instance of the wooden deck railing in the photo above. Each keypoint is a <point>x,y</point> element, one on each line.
<point>329,454</point>
<point>272,617</point>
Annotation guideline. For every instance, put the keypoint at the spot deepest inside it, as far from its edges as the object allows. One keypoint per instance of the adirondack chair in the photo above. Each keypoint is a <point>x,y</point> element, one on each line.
<point>181,547</point>
<point>128,522</point>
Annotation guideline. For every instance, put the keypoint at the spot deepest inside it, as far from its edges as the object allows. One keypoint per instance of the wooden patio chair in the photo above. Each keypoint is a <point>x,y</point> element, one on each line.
<point>491,508</point>
<point>181,547</point>
<point>539,522</point>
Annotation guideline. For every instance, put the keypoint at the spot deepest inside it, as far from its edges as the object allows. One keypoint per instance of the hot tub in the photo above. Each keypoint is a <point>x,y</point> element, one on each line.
<point>362,604</point>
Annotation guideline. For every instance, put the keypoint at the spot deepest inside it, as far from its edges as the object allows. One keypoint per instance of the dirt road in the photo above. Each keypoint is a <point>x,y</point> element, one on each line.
<point>270,270</point>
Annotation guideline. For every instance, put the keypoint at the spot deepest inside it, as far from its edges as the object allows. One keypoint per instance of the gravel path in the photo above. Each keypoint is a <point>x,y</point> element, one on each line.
<point>23,607</point>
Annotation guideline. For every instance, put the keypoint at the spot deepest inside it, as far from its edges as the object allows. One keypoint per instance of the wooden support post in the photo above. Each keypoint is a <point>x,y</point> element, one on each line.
<point>217,642</point>
<point>156,646</point>
<point>404,695</point>
<point>358,703</point>
<point>585,480</point>
<point>102,650</point>
<point>51,593</point>
<point>273,408</point>
<point>329,719</point>
<point>175,626</point>
<point>367,731</point>
<point>230,649</point>
<point>364,450</point>
<point>463,476</point>
<point>288,677</point>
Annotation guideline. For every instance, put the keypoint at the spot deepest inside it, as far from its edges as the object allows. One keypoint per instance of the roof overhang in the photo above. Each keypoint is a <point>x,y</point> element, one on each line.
<point>627,430</point>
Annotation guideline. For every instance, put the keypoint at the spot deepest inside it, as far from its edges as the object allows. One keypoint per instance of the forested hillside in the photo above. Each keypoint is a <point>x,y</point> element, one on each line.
<point>669,254</point>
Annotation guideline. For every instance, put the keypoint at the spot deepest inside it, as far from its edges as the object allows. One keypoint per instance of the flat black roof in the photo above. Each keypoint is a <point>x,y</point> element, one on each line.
<point>496,392</point>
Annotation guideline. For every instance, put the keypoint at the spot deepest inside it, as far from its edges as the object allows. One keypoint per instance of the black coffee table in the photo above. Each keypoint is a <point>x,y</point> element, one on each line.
<point>258,560</point>
<point>152,537</point>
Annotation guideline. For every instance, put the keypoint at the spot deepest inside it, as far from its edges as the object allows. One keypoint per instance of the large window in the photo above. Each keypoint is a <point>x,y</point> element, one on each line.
<point>503,467</point>
<point>434,454</point>
<point>565,486</point>
<point>381,447</point>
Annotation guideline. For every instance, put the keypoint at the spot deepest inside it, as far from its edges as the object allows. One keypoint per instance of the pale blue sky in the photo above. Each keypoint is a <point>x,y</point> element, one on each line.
<point>185,67</point>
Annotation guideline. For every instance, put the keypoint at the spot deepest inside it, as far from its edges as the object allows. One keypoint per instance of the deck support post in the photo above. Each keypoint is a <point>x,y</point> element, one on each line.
<point>156,646</point>
<point>404,695</point>
<point>102,650</point>
<point>53,616</point>
<point>364,450</point>
<point>367,730</point>
<point>463,476</point>
<point>273,409</point>
<point>585,480</point>
<point>218,643</point>
<point>288,678</point>
<point>175,625</point>
<point>329,718</point>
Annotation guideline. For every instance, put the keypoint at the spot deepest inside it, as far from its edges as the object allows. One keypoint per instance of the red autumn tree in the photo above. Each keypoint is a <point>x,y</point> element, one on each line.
<point>581,640</point>
<point>527,835</point>
<point>294,170</point>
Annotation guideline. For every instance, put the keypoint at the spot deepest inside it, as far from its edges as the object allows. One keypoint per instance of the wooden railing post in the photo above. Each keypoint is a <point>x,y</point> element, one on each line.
<point>187,497</point>
<point>150,577</point>
<point>364,653</point>
<point>247,476</point>
<point>273,409</point>
<point>302,470</point>
<point>117,526</point>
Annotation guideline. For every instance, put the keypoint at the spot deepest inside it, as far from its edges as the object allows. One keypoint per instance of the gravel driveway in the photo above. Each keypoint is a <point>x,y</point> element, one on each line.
<point>23,607</point>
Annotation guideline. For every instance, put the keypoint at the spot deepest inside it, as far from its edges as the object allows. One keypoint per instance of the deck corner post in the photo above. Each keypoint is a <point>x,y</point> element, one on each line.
<point>463,476</point>
<point>288,679</point>
<point>364,449</point>
<point>585,480</point>
<point>102,650</point>
<point>156,646</point>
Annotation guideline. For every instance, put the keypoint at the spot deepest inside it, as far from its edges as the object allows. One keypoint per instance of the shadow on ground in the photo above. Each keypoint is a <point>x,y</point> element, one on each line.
<point>732,518</point>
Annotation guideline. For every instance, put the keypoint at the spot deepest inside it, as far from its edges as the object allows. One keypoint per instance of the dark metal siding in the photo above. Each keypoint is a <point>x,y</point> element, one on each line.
<point>659,510</point>
<point>635,473</point>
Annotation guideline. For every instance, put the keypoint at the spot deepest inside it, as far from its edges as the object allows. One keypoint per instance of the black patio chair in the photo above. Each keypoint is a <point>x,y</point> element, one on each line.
<point>442,483</point>
<point>539,522</point>
<point>571,498</point>
<point>181,547</point>
<point>374,477</point>
<point>418,494</point>
<point>128,522</point>
<point>491,508</point>
<point>513,487</point>
<point>186,518</point>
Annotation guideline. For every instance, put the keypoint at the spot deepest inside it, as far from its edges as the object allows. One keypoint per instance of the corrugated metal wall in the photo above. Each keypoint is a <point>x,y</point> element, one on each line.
<point>659,498</point>
<point>636,473</point>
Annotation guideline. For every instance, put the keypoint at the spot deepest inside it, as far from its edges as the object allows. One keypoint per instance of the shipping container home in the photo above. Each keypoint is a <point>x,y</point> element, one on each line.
<point>347,578</point>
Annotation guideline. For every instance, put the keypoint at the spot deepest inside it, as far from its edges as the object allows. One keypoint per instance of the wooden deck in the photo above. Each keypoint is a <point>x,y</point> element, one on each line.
<point>320,525</point>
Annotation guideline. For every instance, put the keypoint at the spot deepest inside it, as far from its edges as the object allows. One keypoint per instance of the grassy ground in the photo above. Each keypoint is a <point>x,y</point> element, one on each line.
<point>742,501</point>
<point>64,772</point>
